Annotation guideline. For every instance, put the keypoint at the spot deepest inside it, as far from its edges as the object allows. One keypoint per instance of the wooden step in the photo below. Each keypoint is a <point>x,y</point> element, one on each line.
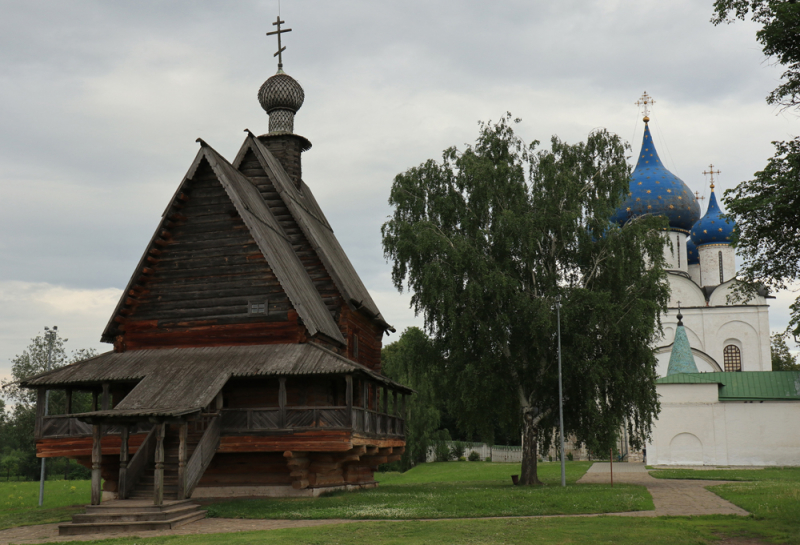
<point>129,515</point>
<point>135,505</point>
<point>72,528</point>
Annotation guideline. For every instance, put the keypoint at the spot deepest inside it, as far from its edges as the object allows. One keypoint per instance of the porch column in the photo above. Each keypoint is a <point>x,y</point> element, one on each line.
<point>349,399</point>
<point>394,412</point>
<point>69,401</point>
<point>97,457</point>
<point>123,462</point>
<point>386,428</point>
<point>106,401</point>
<point>365,403</point>
<point>41,396</point>
<point>377,408</point>
<point>94,400</point>
<point>158,477</point>
<point>183,432</point>
<point>282,401</point>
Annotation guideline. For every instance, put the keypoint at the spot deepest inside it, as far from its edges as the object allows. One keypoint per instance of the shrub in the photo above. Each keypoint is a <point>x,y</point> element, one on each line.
<point>474,457</point>
<point>569,456</point>
<point>549,458</point>
<point>488,459</point>
<point>462,459</point>
<point>457,450</point>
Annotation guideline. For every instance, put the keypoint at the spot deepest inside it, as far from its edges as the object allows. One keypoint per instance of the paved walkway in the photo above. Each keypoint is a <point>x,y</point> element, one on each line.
<point>671,498</point>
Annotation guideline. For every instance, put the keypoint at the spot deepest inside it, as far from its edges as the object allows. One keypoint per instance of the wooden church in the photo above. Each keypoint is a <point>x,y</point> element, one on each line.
<point>246,356</point>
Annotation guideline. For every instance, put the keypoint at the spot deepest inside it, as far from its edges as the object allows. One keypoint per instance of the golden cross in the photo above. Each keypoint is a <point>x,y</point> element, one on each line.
<point>711,171</point>
<point>645,102</point>
<point>280,31</point>
<point>698,196</point>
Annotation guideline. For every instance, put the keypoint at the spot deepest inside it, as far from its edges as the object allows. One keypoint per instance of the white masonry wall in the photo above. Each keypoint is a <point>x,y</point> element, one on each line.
<point>695,428</point>
<point>709,255</point>
<point>675,251</point>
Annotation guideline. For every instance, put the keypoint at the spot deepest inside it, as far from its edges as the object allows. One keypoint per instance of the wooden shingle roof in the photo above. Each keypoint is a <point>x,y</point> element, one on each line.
<point>175,381</point>
<point>311,220</point>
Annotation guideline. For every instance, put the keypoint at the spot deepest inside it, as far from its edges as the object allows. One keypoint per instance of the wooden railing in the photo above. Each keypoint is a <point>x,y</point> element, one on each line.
<point>202,455</point>
<point>309,418</point>
<point>54,427</point>
<point>144,454</point>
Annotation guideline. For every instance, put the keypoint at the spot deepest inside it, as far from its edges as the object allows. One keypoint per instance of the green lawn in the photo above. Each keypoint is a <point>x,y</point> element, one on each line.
<point>591,531</point>
<point>19,502</point>
<point>766,474</point>
<point>451,490</point>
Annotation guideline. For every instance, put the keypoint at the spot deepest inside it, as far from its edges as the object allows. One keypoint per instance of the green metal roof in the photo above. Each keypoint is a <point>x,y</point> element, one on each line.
<point>745,385</point>
<point>681,360</point>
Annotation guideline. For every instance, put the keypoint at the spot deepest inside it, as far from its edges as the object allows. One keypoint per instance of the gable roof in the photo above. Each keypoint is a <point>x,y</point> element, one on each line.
<point>745,385</point>
<point>175,381</point>
<point>270,238</point>
<point>309,217</point>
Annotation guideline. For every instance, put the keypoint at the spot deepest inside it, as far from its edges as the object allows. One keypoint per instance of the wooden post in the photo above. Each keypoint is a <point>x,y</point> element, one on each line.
<point>377,408</point>
<point>123,462</point>
<point>386,420</point>
<point>349,399</point>
<point>158,477</point>
<point>97,456</point>
<point>182,451</point>
<point>94,400</point>
<point>394,413</point>
<point>38,429</point>
<point>219,401</point>
<point>69,401</point>
<point>282,401</point>
<point>365,403</point>
<point>403,412</point>
<point>106,396</point>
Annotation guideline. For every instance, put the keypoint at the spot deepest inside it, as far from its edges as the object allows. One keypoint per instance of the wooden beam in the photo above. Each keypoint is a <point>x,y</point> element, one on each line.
<point>123,463</point>
<point>182,452</point>
<point>158,477</point>
<point>349,399</point>
<point>97,494</point>
<point>69,401</point>
<point>94,400</point>
<point>106,396</point>
<point>282,401</point>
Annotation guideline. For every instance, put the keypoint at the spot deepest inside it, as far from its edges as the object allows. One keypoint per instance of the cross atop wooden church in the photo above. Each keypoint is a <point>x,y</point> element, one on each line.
<point>280,31</point>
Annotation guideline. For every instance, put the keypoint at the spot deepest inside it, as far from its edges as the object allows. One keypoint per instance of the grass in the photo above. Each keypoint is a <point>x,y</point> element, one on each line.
<point>766,474</point>
<point>597,530</point>
<point>451,490</point>
<point>19,502</point>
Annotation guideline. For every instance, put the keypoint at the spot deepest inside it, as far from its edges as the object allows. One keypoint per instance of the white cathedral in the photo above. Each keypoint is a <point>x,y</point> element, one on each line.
<point>721,404</point>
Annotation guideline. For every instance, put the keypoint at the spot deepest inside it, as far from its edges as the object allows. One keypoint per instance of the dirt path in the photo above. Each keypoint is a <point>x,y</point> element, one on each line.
<point>671,498</point>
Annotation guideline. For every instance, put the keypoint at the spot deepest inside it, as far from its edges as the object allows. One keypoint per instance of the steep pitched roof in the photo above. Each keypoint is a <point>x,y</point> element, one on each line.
<point>269,236</point>
<point>681,360</point>
<point>309,217</point>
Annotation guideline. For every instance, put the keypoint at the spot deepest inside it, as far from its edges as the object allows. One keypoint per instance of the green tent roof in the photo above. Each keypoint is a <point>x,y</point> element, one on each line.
<point>745,385</point>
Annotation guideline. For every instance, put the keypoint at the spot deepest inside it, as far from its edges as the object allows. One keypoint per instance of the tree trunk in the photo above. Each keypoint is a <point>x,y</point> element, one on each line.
<point>530,446</point>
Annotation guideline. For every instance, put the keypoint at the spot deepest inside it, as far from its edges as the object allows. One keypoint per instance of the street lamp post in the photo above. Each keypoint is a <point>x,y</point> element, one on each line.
<point>560,394</point>
<point>51,335</point>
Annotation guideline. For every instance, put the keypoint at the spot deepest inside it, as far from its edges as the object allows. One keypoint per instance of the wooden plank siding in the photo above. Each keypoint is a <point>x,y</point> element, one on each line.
<point>204,279</point>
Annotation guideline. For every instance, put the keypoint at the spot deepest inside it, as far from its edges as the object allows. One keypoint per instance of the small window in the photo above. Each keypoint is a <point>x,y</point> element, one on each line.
<point>679,251</point>
<point>258,307</point>
<point>355,346</point>
<point>720,268</point>
<point>733,358</point>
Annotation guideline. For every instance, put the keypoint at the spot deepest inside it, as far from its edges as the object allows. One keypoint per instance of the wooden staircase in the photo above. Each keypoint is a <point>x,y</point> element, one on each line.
<point>122,516</point>
<point>144,486</point>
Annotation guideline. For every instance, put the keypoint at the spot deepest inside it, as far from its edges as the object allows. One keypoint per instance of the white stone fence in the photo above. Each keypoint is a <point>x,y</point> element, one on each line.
<point>497,453</point>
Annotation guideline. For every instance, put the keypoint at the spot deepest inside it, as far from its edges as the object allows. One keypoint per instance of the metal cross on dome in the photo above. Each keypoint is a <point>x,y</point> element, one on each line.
<point>711,171</point>
<point>280,31</point>
<point>645,101</point>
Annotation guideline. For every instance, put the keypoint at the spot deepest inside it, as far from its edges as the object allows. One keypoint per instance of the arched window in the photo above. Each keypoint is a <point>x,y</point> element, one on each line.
<point>733,358</point>
<point>679,250</point>
<point>720,272</point>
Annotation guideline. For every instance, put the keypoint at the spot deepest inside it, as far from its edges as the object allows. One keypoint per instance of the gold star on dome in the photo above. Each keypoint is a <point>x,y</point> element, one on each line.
<point>640,183</point>
<point>669,191</point>
<point>638,199</point>
<point>628,209</point>
<point>648,191</point>
<point>706,232</point>
<point>649,207</point>
<point>680,198</point>
<point>720,229</point>
<point>671,207</point>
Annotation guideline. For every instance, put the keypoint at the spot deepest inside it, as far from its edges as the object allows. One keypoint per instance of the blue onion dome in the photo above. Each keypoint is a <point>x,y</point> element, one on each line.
<point>655,190</point>
<point>713,228</point>
<point>691,252</point>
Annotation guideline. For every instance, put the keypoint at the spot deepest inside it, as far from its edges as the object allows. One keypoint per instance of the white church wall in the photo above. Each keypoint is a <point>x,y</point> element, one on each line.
<point>719,297</point>
<point>711,255</point>
<point>685,291</point>
<point>675,251</point>
<point>694,428</point>
<point>694,272</point>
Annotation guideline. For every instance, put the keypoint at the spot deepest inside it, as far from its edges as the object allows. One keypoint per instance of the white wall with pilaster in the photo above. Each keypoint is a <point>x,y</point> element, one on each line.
<point>675,251</point>
<point>711,257</point>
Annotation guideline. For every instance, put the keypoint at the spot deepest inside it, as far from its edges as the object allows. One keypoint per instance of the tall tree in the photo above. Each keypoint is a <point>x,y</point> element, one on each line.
<point>780,20</point>
<point>767,208</point>
<point>486,240</point>
<point>409,361</point>
<point>782,358</point>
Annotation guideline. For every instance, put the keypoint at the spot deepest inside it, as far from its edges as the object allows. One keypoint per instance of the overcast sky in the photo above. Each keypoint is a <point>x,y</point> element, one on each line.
<point>101,103</point>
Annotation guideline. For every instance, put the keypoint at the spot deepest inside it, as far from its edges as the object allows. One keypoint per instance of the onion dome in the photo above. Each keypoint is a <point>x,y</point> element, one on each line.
<point>713,228</point>
<point>691,252</point>
<point>655,190</point>
<point>281,96</point>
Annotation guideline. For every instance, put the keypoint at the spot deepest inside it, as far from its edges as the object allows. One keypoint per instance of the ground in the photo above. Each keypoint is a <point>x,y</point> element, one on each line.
<point>772,496</point>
